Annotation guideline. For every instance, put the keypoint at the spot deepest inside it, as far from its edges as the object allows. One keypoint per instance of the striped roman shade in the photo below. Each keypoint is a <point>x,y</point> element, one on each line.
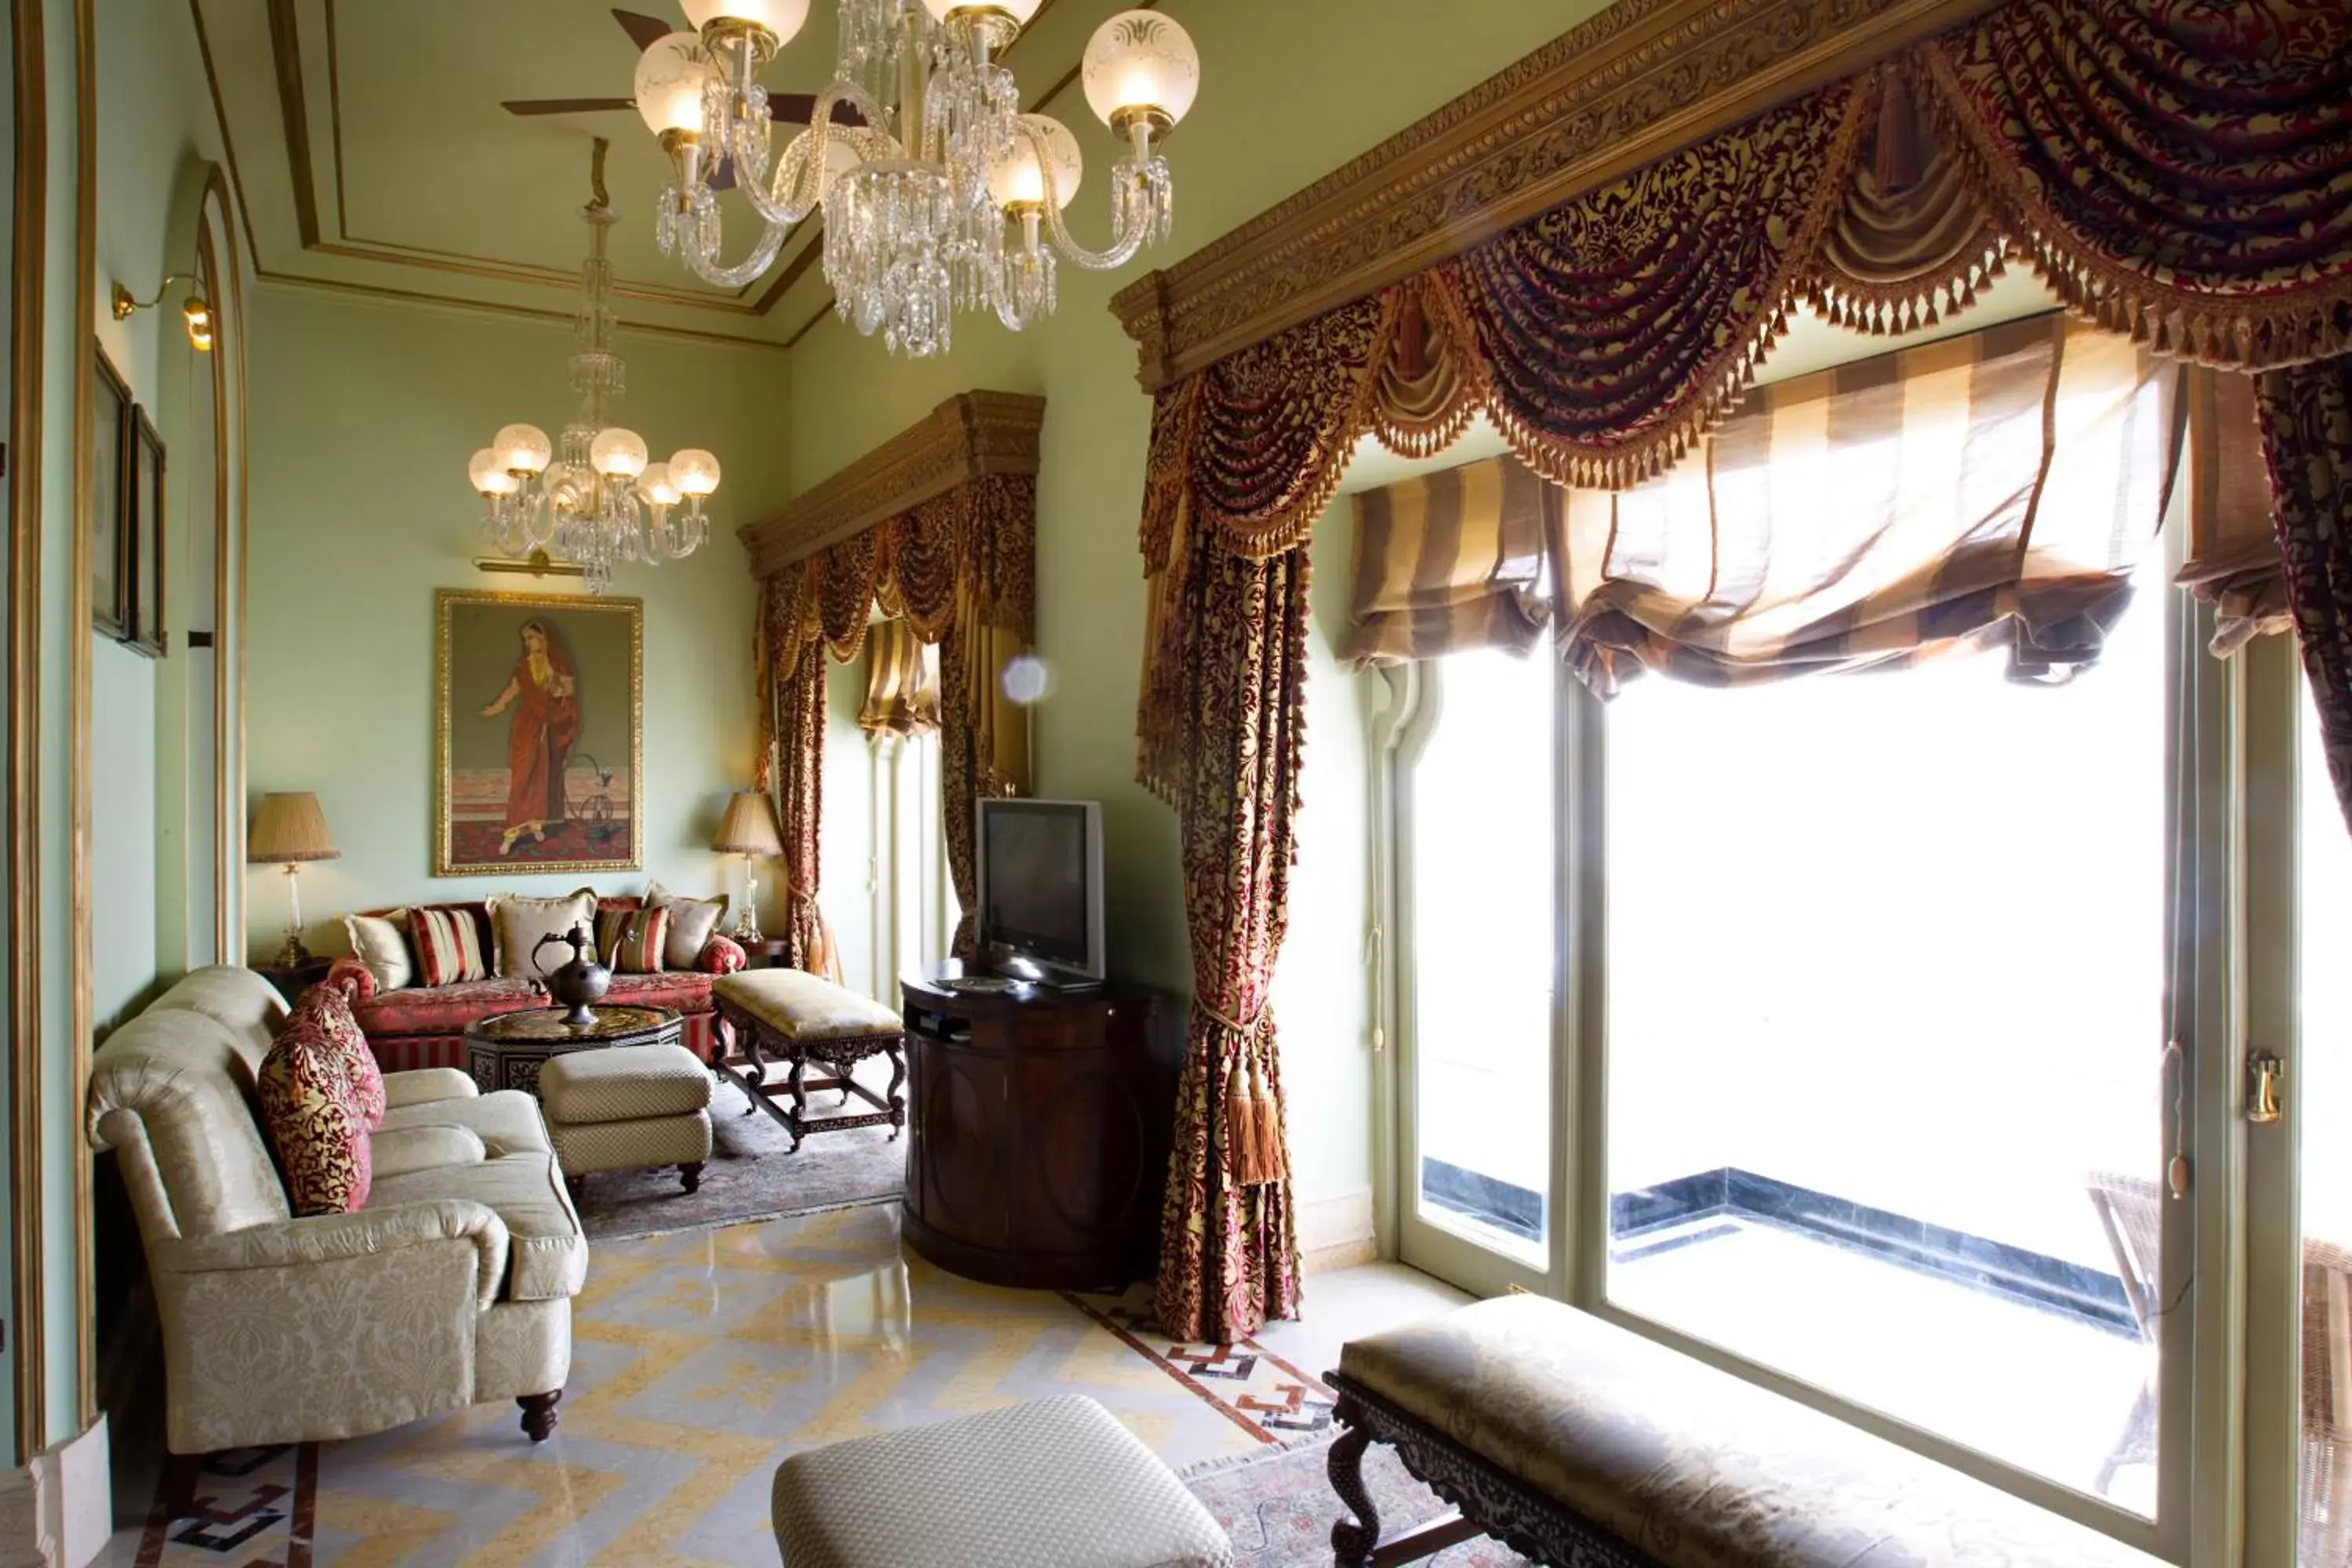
<point>902,685</point>
<point>1451,561</point>
<point>1994,490</point>
<point>448,945</point>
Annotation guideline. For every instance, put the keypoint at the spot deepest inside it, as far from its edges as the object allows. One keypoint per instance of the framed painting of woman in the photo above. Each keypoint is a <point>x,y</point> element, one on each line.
<point>539,728</point>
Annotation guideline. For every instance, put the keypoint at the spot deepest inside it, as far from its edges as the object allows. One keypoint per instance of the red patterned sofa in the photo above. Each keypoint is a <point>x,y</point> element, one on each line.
<point>421,1026</point>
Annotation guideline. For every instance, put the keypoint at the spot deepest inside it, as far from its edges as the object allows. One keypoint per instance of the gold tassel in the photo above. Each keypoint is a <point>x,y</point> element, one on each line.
<point>1243,1141</point>
<point>1270,1163</point>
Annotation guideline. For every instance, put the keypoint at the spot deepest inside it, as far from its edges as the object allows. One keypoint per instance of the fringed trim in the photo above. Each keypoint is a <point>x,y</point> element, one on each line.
<point>1621,465</point>
<point>1168,474</point>
<point>1882,310</point>
<point>1419,415</point>
<point>2225,332</point>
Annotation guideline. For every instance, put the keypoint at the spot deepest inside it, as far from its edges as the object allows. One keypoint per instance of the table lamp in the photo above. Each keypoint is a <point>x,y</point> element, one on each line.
<point>748,829</point>
<point>287,830</point>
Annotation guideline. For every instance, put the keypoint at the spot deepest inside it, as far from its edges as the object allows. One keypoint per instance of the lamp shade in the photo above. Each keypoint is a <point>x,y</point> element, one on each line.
<point>289,827</point>
<point>750,828</point>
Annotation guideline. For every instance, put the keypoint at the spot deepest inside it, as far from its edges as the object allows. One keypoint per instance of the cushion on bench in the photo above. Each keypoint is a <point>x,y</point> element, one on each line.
<point>798,1006</point>
<point>1055,1483</point>
<point>1695,1467</point>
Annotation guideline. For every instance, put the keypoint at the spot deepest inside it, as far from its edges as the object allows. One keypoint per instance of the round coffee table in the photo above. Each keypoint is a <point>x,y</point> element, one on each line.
<point>506,1050</point>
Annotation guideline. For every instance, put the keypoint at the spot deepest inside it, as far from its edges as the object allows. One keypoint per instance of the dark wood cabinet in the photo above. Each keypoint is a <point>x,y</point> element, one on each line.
<point>1039,1126</point>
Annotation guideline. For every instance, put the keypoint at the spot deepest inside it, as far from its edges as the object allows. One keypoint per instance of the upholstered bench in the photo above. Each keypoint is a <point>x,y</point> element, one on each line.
<point>802,1018</point>
<point>1058,1483</point>
<point>1578,1441</point>
<point>628,1108</point>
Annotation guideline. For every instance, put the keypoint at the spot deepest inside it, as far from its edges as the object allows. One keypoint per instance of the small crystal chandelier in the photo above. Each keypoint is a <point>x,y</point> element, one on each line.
<point>915,221</point>
<point>599,502</point>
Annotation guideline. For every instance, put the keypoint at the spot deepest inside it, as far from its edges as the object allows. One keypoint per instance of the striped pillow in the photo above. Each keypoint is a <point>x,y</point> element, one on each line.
<point>448,945</point>
<point>631,941</point>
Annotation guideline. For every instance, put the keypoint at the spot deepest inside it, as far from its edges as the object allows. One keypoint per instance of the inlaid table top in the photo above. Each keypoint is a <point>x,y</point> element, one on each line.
<point>506,1050</point>
<point>545,1025</point>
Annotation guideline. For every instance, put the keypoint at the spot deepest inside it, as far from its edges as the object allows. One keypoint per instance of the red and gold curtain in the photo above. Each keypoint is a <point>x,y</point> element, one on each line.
<point>2180,172</point>
<point>957,570</point>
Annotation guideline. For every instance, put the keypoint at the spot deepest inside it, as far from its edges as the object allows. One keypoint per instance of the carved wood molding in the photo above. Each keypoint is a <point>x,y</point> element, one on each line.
<point>970,435</point>
<point>1625,89</point>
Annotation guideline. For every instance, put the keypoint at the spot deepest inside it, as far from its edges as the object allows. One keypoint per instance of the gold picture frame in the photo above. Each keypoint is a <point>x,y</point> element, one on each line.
<point>537,792</point>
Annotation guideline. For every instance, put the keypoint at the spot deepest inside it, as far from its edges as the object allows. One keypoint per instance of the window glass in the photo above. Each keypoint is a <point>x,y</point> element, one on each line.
<point>1886,1031</point>
<point>2324,930</point>
<point>1477,876</point>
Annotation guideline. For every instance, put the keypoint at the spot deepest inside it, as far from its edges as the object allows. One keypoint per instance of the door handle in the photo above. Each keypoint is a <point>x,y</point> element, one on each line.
<point>2263,1071</point>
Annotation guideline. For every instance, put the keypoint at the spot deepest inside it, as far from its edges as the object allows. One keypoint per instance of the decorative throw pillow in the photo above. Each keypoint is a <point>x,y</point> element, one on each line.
<point>631,941</point>
<point>330,1007</point>
<point>378,942</point>
<point>723,956</point>
<point>349,976</point>
<point>692,923</point>
<point>448,945</point>
<point>516,924</point>
<point>314,1123</point>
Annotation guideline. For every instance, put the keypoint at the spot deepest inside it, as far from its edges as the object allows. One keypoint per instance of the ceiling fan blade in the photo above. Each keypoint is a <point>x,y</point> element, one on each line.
<point>644,31</point>
<point>564,105</point>
<point>795,107</point>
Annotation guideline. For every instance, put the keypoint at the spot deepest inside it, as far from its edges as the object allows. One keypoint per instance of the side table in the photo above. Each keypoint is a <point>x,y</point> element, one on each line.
<point>768,952</point>
<point>293,979</point>
<point>506,1050</point>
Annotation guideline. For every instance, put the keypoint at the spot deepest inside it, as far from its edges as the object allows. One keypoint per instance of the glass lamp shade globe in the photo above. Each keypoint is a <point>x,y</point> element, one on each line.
<point>490,476</point>
<point>669,81</point>
<point>782,18</point>
<point>617,452</point>
<point>1142,60</point>
<point>694,471</point>
<point>655,484</point>
<point>1016,177</point>
<point>524,447</point>
<point>562,485</point>
<point>1018,10</point>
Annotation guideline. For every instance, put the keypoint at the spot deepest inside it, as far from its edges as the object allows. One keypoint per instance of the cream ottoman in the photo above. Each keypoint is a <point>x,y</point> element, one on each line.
<point>1053,1484</point>
<point>628,1107</point>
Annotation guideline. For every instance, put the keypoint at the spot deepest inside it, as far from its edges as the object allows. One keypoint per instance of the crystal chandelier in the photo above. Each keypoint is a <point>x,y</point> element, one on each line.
<point>599,502</point>
<point>946,197</point>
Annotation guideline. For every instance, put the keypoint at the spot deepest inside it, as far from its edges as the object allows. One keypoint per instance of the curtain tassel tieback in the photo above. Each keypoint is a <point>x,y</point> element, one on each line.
<point>1254,1153</point>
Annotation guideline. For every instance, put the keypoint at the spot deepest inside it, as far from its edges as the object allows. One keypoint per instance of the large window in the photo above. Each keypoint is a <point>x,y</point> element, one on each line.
<point>1886,1034</point>
<point>2323,930</point>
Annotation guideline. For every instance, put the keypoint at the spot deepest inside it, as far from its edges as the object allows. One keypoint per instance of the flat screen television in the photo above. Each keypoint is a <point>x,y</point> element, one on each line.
<point>1041,888</point>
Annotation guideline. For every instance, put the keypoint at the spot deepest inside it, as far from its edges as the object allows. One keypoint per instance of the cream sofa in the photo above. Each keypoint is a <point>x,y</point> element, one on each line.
<point>452,1286</point>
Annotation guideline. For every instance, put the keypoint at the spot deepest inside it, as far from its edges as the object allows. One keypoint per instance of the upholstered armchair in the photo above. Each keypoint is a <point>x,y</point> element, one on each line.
<point>453,1285</point>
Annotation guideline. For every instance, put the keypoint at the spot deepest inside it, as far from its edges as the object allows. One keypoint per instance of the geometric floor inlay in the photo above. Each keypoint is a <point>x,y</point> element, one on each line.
<point>699,1360</point>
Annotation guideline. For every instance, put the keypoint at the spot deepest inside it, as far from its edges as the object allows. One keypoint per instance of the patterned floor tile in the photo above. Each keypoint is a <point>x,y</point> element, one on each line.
<point>701,1359</point>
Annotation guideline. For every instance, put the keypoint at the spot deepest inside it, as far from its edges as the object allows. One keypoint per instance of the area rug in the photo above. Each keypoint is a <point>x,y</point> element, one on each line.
<point>1279,1509</point>
<point>1255,1387</point>
<point>752,1174</point>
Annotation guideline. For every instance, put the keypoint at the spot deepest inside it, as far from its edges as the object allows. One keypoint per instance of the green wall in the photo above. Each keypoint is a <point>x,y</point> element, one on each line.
<point>1288,93</point>
<point>364,413</point>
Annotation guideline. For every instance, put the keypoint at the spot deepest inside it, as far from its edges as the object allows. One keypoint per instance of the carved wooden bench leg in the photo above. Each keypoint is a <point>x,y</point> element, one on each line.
<point>1352,1542</point>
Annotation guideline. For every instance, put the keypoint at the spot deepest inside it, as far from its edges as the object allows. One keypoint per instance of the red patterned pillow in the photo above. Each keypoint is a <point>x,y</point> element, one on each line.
<point>330,1007</point>
<point>313,1119</point>
<point>448,945</point>
<point>722,955</point>
<point>631,941</point>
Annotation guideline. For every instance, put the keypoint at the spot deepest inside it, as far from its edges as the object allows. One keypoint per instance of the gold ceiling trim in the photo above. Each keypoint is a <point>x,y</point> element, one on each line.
<point>494,307</point>
<point>1622,90</point>
<point>397,254</point>
<point>972,434</point>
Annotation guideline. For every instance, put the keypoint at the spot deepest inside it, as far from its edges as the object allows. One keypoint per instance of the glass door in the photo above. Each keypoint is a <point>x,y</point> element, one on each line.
<point>1478,887</point>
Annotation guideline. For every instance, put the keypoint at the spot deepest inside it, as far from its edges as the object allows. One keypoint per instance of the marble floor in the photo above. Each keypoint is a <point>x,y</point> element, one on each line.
<point>702,1359</point>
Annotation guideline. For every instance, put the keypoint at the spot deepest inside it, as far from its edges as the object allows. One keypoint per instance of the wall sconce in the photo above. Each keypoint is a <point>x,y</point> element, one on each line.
<point>197,312</point>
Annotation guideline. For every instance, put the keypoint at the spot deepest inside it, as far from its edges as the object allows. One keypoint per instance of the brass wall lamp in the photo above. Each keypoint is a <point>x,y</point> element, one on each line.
<point>197,311</point>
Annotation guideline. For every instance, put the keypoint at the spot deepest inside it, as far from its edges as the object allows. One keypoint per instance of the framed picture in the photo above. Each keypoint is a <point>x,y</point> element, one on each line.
<point>109,458</point>
<point>540,761</point>
<point>146,536</point>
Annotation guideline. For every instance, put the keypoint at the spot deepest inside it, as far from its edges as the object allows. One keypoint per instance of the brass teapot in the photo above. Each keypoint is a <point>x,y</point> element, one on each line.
<point>577,984</point>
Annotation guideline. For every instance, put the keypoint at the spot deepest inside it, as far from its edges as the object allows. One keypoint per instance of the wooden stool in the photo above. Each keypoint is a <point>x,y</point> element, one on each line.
<point>799,1018</point>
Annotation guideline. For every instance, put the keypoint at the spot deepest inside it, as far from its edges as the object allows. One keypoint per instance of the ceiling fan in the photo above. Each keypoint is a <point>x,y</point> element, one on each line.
<point>644,32</point>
